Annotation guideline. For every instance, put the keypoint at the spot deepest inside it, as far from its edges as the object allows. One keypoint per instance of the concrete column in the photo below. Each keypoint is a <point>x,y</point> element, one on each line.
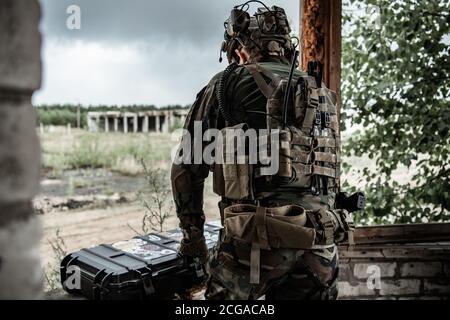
<point>135,124</point>
<point>92,123</point>
<point>145,124</point>
<point>21,275</point>
<point>125,124</point>
<point>157,126</point>
<point>165,125</point>
<point>116,124</point>
<point>171,119</point>
<point>106,123</point>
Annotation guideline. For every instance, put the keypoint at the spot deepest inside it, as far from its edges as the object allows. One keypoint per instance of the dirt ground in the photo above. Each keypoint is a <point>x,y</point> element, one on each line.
<point>86,228</point>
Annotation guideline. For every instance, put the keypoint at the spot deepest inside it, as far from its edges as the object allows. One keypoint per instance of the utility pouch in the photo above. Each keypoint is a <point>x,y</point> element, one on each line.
<point>267,228</point>
<point>236,181</point>
<point>332,226</point>
<point>236,169</point>
<point>346,226</point>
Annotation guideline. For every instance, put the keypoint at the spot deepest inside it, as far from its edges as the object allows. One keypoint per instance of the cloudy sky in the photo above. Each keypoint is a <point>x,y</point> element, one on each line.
<point>135,51</point>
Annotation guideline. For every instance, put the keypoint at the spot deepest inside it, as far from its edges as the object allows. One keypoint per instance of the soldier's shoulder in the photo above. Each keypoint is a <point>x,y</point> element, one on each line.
<point>234,76</point>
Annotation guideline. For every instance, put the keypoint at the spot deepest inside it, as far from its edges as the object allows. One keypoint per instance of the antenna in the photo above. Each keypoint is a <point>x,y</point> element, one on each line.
<point>288,89</point>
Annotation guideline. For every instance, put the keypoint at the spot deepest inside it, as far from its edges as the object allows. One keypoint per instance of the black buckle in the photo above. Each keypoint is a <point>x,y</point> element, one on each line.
<point>318,118</point>
<point>315,185</point>
<point>327,119</point>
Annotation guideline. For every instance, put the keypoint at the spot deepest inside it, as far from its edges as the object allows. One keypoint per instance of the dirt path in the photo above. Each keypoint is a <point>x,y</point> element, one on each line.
<point>87,228</point>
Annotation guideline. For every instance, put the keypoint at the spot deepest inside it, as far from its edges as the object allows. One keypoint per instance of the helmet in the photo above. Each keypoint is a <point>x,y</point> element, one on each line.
<point>265,33</point>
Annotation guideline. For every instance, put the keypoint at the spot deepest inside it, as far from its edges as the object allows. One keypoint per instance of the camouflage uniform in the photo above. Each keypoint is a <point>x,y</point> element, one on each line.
<point>285,273</point>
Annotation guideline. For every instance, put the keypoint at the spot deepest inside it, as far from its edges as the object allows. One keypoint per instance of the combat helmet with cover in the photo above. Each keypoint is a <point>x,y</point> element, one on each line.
<point>267,32</point>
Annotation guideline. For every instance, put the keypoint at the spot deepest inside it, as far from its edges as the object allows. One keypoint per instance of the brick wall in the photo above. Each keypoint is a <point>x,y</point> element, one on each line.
<point>391,269</point>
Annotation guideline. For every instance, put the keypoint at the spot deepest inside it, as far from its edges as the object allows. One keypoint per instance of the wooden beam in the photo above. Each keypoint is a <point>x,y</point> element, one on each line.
<point>320,34</point>
<point>403,233</point>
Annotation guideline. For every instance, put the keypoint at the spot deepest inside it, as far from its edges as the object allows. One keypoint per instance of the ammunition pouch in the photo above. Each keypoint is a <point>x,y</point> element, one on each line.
<point>233,175</point>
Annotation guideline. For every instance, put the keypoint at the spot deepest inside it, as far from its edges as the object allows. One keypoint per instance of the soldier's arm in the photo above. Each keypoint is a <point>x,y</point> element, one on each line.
<point>188,182</point>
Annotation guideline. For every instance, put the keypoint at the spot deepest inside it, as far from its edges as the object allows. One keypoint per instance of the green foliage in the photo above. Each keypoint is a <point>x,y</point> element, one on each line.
<point>157,200</point>
<point>396,86</point>
<point>52,273</point>
<point>88,154</point>
<point>113,151</point>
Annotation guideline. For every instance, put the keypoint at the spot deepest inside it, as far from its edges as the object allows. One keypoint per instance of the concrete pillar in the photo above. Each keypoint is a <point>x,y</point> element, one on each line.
<point>92,123</point>
<point>106,123</point>
<point>165,124</point>
<point>135,124</point>
<point>145,124</point>
<point>116,124</point>
<point>125,124</point>
<point>157,126</point>
<point>21,274</point>
<point>171,119</point>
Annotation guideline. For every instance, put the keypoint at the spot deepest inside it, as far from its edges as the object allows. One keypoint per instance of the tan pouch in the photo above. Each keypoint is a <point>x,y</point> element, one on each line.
<point>284,226</point>
<point>267,228</point>
<point>237,172</point>
<point>236,181</point>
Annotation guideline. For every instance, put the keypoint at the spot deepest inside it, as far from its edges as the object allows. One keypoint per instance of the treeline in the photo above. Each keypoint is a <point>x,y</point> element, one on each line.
<point>61,115</point>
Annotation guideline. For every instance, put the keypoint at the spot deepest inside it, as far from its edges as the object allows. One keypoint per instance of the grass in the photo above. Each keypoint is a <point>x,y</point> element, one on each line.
<point>114,151</point>
<point>52,274</point>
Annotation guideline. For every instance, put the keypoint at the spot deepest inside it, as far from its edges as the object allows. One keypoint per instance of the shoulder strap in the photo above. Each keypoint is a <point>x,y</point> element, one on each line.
<point>257,73</point>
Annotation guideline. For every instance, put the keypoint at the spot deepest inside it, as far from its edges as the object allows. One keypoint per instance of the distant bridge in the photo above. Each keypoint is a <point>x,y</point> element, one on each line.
<point>142,121</point>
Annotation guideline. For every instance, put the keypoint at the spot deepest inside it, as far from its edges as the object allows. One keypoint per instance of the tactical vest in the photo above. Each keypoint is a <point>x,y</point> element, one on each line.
<point>309,151</point>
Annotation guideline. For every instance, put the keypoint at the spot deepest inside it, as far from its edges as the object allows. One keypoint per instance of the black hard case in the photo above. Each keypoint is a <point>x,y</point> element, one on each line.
<point>145,267</point>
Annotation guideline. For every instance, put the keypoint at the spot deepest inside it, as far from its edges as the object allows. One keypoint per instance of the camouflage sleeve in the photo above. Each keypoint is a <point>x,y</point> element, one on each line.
<point>188,177</point>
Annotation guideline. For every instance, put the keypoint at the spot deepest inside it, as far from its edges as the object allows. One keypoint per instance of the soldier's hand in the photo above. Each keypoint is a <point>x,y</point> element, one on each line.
<point>195,246</point>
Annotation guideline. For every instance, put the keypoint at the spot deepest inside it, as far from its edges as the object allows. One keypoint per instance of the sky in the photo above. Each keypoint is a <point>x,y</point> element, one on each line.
<point>159,52</point>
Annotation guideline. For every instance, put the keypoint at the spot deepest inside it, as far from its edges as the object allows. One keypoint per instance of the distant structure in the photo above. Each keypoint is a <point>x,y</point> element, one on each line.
<point>142,121</point>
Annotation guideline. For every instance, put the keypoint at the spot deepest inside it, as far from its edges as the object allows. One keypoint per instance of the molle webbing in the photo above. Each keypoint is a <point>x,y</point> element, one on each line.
<point>311,146</point>
<point>317,100</point>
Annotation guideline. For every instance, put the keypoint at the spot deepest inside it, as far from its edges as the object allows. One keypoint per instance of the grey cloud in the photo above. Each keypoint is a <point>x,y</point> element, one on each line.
<point>195,21</point>
<point>175,45</point>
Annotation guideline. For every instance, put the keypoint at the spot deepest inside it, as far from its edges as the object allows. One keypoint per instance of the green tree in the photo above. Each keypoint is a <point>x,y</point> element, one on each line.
<point>396,84</point>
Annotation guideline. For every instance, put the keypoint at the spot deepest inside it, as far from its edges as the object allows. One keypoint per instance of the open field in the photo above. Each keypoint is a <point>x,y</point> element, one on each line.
<point>113,151</point>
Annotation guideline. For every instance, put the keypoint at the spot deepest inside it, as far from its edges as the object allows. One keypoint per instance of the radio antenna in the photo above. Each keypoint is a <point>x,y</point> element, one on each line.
<point>288,89</point>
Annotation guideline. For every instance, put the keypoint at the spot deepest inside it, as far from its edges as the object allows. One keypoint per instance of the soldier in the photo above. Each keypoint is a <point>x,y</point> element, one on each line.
<point>280,230</point>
